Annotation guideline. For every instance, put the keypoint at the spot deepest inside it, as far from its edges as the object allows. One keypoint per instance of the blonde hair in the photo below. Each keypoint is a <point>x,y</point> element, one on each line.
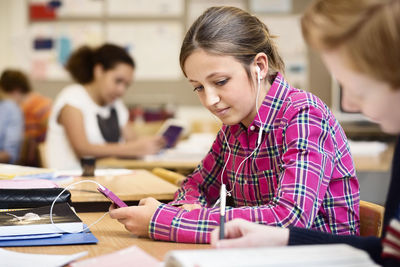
<point>367,31</point>
<point>233,32</point>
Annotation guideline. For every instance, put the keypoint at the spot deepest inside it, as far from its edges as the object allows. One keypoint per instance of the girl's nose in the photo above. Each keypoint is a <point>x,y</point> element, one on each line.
<point>212,98</point>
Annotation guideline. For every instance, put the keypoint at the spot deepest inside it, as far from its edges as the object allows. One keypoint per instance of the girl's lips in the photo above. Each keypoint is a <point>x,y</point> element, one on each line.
<point>221,112</point>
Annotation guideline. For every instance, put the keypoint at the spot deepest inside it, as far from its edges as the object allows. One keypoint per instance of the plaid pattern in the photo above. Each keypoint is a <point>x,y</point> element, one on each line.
<point>302,174</point>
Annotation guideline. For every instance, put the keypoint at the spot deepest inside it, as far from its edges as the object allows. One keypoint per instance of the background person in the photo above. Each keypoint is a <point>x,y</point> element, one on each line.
<point>36,109</point>
<point>89,118</point>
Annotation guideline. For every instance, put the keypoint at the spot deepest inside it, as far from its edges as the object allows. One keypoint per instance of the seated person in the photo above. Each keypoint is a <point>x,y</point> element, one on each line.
<point>36,110</point>
<point>364,58</point>
<point>88,118</point>
<point>281,153</point>
<point>11,128</point>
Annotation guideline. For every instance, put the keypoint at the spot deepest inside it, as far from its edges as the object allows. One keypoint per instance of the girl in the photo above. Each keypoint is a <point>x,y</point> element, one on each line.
<point>281,154</point>
<point>89,118</point>
<point>358,41</point>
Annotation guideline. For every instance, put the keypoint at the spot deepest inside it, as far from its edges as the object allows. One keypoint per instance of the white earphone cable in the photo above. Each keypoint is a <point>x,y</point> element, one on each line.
<point>54,201</point>
<point>229,193</point>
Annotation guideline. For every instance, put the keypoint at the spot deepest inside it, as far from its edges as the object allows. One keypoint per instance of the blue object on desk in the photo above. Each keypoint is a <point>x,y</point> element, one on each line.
<point>65,239</point>
<point>25,237</point>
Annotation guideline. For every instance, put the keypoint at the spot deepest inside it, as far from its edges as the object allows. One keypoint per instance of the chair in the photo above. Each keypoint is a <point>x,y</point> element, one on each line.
<point>42,155</point>
<point>371,219</point>
<point>170,176</point>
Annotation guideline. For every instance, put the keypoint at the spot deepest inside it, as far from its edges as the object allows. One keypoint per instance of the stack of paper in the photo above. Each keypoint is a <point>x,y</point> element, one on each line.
<point>9,171</point>
<point>16,259</point>
<point>131,256</point>
<point>33,227</point>
<point>313,255</point>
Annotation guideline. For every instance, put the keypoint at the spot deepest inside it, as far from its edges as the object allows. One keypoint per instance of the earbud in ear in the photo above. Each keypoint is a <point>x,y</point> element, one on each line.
<point>258,73</point>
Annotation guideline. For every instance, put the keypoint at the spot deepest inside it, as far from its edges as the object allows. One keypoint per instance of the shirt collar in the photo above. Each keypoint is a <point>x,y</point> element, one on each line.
<point>272,103</point>
<point>270,106</point>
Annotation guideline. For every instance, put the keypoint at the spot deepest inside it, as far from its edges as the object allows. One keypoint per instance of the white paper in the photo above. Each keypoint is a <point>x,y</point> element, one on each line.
<point>80,8</point>
<point>46,64</point>
<point>155,46</point>
<point>307,255</point>
<point>197,7</point>
<point>17,259</point>
<point>271,6</point>
<point>145,8</point>
<point>291,46</point>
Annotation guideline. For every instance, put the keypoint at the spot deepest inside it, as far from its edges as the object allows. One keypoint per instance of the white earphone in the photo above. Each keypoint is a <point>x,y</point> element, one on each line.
<point>259,78</point>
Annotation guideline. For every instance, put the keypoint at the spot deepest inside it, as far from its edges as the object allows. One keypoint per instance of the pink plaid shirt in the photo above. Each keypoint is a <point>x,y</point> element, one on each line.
<point>301,175</point>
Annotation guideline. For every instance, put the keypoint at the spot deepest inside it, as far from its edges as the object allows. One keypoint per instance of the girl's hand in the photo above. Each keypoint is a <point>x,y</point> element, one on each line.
<point>190,207</point>
<point>241,233</point>
<point>136,219</point>
<point>146,145</point>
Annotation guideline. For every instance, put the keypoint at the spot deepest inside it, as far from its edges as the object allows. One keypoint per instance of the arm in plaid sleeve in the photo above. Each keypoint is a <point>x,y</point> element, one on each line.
<point>202,186</point>
<point>318,174</point>
<point>308,164</point>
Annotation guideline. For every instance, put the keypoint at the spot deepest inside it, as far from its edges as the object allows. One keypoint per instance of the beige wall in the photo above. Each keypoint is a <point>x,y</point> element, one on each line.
<point>13,22</point>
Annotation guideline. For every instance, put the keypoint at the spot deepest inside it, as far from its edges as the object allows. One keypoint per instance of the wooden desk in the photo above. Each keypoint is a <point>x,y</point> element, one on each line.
<point>112,236</point>
<point>183,167</point>
<point>380,163</point>
<point>130,188</point>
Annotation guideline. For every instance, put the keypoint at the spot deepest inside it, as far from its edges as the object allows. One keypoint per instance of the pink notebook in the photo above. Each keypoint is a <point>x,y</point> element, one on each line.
<point>26,184</point>
<point>131,256</point>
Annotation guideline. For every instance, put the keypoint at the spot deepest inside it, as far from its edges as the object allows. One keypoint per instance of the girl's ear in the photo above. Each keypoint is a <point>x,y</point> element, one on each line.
<point>98,71</point>
<point>261,61</point>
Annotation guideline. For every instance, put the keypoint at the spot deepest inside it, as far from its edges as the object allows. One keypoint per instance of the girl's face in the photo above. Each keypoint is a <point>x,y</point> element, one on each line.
<point>223,87</point>
<point>114,82</point>
<point>374,98</point>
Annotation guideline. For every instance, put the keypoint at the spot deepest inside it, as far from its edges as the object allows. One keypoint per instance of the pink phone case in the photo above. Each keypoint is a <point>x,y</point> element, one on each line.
<point>111,196</point>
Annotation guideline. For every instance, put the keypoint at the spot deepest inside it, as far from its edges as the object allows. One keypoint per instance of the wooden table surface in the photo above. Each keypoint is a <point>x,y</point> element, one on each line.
<point>129,187</point>
<point>112,236</point>
<point>378,163</point>
<point>182,166</point>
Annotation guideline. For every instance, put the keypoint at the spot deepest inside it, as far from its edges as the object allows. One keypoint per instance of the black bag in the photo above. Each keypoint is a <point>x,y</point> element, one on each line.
<point>32,198</point>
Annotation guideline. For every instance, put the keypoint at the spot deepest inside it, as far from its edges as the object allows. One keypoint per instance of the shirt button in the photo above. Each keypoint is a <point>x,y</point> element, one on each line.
<point>252,127</point>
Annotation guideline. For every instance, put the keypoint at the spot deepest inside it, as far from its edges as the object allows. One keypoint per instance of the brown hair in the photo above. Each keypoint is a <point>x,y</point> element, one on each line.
<point>14,80</point>
<point>367,31</point>
<point>81,63</point>
<point>233,32</point>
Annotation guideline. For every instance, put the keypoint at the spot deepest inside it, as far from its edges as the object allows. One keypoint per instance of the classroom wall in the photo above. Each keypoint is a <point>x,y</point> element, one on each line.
<point>14,22</point>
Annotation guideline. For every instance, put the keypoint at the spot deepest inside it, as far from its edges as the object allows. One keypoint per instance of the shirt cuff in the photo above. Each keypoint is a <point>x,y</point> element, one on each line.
<point>160,224</point>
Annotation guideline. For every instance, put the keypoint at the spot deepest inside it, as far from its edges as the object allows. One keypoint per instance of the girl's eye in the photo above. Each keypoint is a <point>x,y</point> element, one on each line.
<point>222,82</point>
<point>198,88</point>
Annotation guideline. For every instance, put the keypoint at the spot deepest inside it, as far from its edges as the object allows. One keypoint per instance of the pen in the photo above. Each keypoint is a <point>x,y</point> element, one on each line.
<point>222,212</point>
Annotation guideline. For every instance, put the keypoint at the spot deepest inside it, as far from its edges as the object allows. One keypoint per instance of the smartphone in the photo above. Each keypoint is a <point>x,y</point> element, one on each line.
<point>111,196</point>
<point>172,134</point>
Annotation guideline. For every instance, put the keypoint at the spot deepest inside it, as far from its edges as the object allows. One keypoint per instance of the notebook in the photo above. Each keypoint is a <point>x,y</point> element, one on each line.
<point>37,221</point>
<point>310,255</point>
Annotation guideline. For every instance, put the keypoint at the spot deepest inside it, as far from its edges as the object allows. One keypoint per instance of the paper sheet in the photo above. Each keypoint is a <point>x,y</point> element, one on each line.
<point>17,259</point>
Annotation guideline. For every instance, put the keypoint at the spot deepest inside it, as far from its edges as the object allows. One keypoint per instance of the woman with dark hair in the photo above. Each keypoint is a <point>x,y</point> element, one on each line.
<point>88,118</point>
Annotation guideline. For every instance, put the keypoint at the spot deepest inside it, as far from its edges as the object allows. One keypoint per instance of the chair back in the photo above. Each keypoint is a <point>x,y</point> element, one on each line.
<point>42,155</point>
<point>170,176</point>
<point>371,219</point>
